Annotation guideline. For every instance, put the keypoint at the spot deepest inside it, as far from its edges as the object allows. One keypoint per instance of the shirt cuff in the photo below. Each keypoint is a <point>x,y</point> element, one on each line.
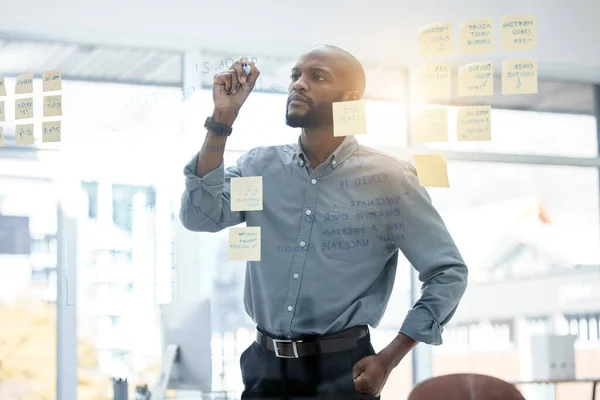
<point>213,180</point>
<point>421,327</point>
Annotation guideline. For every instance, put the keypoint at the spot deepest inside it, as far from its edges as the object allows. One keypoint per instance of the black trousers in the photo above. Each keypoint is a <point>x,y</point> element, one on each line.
<point>324,376</point>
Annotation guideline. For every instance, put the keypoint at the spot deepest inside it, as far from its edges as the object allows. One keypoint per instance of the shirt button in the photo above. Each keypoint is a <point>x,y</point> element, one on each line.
<point>313,181</point>
<point>302,243</point>
<point>333,162</point>
<point>290,308</point>
<point>308,212</point>
<point>296,276</point>
<point>301,163</point>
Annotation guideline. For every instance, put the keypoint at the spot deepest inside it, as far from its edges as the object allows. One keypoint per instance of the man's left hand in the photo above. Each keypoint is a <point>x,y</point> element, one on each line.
<point>370,374</point>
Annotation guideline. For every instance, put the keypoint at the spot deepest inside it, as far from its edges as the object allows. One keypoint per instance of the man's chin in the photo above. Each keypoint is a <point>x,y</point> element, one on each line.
<point>296,121</point>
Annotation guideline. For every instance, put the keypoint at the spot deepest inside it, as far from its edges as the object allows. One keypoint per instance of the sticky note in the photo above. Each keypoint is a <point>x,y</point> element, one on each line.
<point>53,106</point>
<point>24,134</point>
<point>51,131</point>
<point>433,80</point>
<point>246,193</point>
<point>518,32</point>
<point>244,244</point>
<point>432,170</point>
<point>2,113</point>
<point>477,35</point>
<point>24,108</point>
<point>520,76</point>
<point>431,125</point>
<point>435,40</point>
<point>2,87</point>
<point>2,141</point>
<point>476,79</point>
<point>51,80</point>
<point>474,123</point>
<point>349,118</point>
<point>24,84</point>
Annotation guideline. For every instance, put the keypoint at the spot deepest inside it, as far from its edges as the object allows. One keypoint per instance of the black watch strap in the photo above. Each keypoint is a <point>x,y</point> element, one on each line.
<point>218,129</point>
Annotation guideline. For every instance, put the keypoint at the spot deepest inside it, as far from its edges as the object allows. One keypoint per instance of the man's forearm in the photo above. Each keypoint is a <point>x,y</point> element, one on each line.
<point>398,349</point>
<point>211,153</point>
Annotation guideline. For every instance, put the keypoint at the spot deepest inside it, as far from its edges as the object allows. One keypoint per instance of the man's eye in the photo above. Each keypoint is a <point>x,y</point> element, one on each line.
<point>320,77</point>
<point>294,77</point>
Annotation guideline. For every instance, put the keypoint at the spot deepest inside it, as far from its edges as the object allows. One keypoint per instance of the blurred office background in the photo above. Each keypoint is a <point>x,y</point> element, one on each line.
<point>90,241</point>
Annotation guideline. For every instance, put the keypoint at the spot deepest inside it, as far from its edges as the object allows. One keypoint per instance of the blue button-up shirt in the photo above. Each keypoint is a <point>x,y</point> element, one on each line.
<point>330,239</point>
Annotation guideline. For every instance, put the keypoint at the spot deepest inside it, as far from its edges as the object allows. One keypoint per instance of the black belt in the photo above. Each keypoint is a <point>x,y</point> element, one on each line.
<point>330,343</point>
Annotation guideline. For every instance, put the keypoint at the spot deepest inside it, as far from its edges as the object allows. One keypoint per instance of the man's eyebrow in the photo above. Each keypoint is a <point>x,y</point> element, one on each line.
<point>314,69</point>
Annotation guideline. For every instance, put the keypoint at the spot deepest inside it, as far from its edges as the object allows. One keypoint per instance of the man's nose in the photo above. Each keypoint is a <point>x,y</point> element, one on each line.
<point>299,85</point>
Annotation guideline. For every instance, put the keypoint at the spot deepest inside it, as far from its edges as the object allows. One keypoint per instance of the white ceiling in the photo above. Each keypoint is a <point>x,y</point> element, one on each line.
<point>377,32</point>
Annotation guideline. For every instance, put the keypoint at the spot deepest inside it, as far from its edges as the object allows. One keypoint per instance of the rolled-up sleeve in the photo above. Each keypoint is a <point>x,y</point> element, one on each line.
<point>430,249</point>
<point>206,201</point>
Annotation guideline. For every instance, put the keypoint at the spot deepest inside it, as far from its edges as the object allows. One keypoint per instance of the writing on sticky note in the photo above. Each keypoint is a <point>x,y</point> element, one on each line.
<point>432,170</point>
<point>433,80</point>
<point>246,193</point>
<point>2,141</point>
<point>349,118</point>
<point>519,32</point>
<point>2,116</point>
<point>24,84</point>
<point>435,40</point>
<point>51,80</point>
<point>24,134</point>
<point>431,125</point>
<point>520,76</point>
<point>51,131</point>
<point>244,244</point>
<point>477,36</point>
<point>2,87</point>
<point>53,106</point>
<point>474,123</point>
<point>476,79</point>
<point>24,108</point>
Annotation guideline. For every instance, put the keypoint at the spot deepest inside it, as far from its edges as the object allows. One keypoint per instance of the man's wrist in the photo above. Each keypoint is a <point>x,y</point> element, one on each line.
<point>224,116</point>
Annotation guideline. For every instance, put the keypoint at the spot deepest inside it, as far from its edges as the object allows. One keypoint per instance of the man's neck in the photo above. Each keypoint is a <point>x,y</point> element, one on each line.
<point>319,143</point>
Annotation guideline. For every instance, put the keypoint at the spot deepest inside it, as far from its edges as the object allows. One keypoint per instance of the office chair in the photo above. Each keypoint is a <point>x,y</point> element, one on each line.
<point>465,387</point>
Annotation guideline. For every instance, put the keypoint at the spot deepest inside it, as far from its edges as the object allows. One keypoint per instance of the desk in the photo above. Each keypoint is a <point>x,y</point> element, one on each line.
<point>594,382</point>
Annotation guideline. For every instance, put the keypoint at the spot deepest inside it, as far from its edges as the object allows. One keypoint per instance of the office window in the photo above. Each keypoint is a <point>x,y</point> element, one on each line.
<point>585,326</point>
<point>91,189</point>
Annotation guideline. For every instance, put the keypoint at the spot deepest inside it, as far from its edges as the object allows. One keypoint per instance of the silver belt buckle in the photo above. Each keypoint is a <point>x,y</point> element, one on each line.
<point>294,346</point>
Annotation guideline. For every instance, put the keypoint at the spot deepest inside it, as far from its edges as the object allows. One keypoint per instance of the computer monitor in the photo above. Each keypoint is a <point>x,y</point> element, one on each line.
<point>186,339</point>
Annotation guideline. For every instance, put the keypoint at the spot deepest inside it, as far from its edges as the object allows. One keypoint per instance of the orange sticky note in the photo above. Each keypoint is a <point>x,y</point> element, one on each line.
<point>2,87</point>
<point>474,123</point>
<point>2,112</point>
<point>53,106</point>
<point>244,244</point>
<point>2,141</point>
<point>476,79</point>
<point>435,40</point>
<point>431,125</point>
<point>24,84</point>
<point>477,36</point>
<point>24,134</point>
<point>349,118</point>
<point>434,80</point>
<point>51,80</point>
<point>51,131</point>
<point>432,170</point>
<point>246,193</point>
<point>520,76</point>
<point>24,108</point>
<point>519,32</point>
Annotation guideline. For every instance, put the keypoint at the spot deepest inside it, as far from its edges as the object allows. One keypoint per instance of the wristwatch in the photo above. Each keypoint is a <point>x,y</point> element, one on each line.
<point>218,129</point>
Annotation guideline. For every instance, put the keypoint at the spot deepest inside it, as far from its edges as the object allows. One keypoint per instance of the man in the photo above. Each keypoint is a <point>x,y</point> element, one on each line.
<point>335,214</point>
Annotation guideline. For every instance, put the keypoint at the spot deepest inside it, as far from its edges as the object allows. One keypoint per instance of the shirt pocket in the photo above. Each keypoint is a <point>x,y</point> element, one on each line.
<point>344,238</point>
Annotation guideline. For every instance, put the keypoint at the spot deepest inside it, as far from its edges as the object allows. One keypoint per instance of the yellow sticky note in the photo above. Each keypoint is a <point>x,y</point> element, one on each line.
<point>51,80</point>
<point>24,108</point>
<point>349,118</point>
<point>476,79</point>
<point>433,80</point>
<point>53,106</point>
<point>477,35</point>
<point>24,134</point>
<point>51,131</point>
<point>2,141</point>
<point>520,76</point>
<point>2,87</point>
<point>2,117</point>
<point>519,32</point>
<point>246,194</point>
<point>435,40</point>
<point>244,244</point>
<point>24,84</point>
<point>474,123</point>
<point>432,170</point>
<point>431,125</point>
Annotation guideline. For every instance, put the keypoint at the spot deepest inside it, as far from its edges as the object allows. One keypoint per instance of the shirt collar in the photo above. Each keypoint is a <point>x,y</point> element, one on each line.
<point>343,151</point>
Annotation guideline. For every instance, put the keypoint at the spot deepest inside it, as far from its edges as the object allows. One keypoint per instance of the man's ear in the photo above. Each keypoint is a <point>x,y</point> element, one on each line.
<point>352,95</point>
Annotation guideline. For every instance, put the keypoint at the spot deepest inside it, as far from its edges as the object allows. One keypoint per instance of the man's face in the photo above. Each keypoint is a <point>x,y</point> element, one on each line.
<point>313,88</point>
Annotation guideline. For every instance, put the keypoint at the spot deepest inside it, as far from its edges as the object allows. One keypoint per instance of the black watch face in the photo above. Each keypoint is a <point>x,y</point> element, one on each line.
<point>218,130</point>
